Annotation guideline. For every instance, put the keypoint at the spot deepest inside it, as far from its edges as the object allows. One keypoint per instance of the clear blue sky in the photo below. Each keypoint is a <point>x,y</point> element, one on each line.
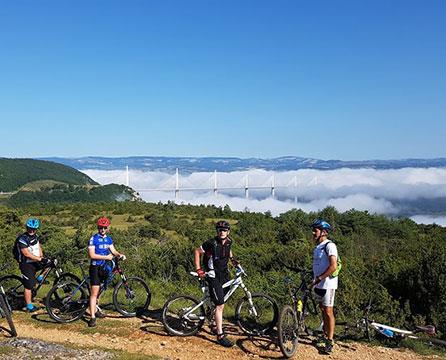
<point>246,78</point>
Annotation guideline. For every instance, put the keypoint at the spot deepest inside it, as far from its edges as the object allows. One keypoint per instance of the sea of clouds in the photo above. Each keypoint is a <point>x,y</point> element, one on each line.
<point>377,191</point>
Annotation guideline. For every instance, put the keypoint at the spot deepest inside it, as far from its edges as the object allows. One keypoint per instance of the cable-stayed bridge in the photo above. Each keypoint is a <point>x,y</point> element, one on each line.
<point>212,183</point>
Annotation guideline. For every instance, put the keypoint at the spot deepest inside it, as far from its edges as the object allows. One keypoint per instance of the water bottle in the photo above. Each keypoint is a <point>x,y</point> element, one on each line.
<point>299,306</point>
<point>40,278</point>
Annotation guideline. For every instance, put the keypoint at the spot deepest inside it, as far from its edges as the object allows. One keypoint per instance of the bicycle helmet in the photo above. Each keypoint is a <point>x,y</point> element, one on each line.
<point>322,225</point>
<point>222,224</point>
<point>33,223</point>
<point>103,222</point>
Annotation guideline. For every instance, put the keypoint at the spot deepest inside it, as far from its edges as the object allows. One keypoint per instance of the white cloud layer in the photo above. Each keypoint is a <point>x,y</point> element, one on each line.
<point>363,189</point>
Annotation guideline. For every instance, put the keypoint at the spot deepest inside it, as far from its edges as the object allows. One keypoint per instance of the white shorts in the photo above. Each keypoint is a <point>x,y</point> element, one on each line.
<point>325,297</point>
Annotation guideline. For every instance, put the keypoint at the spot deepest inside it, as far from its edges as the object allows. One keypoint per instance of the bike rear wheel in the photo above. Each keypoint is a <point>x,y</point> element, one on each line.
<point>258,318</point>
<point>132,297</point>
<point>14,291</point>
<point>66,302</point>
<point>288,331</point>
<point>6,313</point>
<point>177,317</point>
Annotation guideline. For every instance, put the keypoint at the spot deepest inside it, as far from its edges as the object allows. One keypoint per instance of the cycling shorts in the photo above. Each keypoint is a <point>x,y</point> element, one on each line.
<point>97,275</point>
<point>216,290</point>
<point>28,271</point>
<point>325,297</point>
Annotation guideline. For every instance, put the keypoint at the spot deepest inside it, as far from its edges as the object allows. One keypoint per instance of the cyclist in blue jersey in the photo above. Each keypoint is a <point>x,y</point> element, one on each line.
<point>101,251</point>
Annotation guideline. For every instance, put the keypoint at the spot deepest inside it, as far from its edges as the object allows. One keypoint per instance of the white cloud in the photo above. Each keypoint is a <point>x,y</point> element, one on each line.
<point>310,190</point>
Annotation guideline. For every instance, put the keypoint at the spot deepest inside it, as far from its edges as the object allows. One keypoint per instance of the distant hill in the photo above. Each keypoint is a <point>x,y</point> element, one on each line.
<point>14,173</point>
<point>26,181</point>
<point>64,193</point>
<point>226,164</point>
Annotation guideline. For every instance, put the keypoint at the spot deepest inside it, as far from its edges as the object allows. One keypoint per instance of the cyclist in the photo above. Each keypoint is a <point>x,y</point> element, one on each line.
<point>325,256</point>
<point>101,251</point>
<point>29,254</point>
<point>216,253</point>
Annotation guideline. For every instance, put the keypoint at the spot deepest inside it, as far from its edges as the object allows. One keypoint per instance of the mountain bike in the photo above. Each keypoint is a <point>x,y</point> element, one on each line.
<point>302,316</point>
<point>68,301</point>
<point>14,287</point>
<point>6,312</point>
<point>364,326</point>
<point>184,315</point>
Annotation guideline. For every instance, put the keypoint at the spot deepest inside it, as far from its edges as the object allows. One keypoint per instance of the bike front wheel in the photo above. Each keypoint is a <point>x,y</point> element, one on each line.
<point>258,318</point>
<point>287,328</point>
<point>13,288</point>
<point>182,315</point>
<point>132,297</point>
<point>66,302</point>
<point>6,313</point>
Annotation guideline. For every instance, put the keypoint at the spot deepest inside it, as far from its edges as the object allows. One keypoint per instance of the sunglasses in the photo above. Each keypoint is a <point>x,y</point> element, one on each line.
<point>102,227</point>
<point>221,230</point>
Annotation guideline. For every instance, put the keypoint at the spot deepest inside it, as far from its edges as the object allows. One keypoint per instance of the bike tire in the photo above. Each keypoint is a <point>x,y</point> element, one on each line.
<point>437,342</point>
<point>287,328</point>
<point>14,291</point>
<point>67,277</point>
<point>262,320</point>
<point>6,312</point>
<point>173,316</point>
<point>132,297</point>
<point>66,302</point>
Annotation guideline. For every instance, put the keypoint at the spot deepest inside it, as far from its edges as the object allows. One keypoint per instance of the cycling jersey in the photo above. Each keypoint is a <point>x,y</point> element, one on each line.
<point>216,256</point>
<point>321,263</point>
<point>101,247</point>
<point>30,242</point>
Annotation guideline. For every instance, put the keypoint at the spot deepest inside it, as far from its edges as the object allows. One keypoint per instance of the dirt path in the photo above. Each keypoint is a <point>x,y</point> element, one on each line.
<point>147,336</point>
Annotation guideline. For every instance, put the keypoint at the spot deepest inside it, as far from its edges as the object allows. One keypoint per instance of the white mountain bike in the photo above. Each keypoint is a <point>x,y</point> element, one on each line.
<point>184,315</point>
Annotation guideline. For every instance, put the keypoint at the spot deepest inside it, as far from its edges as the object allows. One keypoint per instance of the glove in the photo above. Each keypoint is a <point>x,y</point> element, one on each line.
<point>201,273</point>
<point>122,257</point>
<point>234,262</point>
<point>46,262</point>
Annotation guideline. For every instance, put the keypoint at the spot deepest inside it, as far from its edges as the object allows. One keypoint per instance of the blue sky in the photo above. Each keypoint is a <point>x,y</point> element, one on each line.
<point>247,78</point>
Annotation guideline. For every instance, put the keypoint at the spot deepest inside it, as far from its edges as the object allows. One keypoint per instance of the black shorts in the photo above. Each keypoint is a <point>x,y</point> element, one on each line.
<point>28,271</point>
<point>216,290</point>
<point>97,275</point>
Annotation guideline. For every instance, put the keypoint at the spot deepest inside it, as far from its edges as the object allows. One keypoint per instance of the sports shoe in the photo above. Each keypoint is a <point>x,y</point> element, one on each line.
<point>224,341</point>
<point>320,342</point>
<point>32,309</point>
<point>92,322</point>
<point>99,314</point>
<point>328,348</point>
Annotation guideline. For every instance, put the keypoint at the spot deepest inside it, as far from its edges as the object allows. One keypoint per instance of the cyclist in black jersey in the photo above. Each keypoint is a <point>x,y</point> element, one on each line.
<point>29,254</point>
<point>216,253</point>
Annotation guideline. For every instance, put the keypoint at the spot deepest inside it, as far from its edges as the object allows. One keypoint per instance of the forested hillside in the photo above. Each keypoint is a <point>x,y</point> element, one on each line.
<point>14,173</point>
<point>396,262</point>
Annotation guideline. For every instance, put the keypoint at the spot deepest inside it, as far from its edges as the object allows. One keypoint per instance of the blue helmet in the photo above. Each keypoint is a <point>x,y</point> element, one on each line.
<point>33,223</point>
<point>321,224</point>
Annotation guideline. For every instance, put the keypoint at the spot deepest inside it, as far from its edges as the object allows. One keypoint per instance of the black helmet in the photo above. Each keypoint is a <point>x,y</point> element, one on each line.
<point>222,224</point>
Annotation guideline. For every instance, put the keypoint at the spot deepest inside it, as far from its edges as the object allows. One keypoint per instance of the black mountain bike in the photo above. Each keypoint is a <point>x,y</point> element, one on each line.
<point>6,312</point>
<point>14,287</point>
<point>302,316</point>
<point>68,301</point>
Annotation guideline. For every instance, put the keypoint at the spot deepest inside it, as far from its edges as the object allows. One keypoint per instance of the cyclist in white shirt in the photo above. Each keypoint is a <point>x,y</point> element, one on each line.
<point>325,256</point>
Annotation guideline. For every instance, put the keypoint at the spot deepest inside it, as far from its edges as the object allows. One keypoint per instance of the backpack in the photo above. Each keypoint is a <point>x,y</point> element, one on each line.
<point>338,261</point>
<point>16,251</point>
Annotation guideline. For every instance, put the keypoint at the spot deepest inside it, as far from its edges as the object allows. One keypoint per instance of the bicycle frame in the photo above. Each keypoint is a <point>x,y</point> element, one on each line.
<point>232,284</point>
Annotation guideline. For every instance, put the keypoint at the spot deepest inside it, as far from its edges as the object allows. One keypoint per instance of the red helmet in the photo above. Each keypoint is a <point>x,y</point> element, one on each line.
<point>103,221</point>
